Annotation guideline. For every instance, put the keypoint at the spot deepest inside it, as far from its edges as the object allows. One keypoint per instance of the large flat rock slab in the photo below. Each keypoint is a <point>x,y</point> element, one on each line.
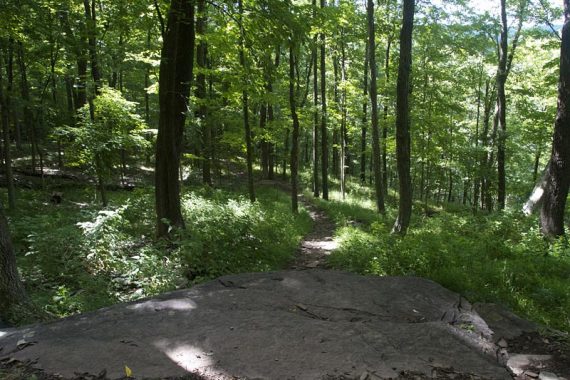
<point>311,324</point>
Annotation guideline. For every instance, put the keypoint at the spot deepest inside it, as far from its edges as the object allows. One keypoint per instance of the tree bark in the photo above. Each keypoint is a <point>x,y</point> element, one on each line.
<point>558,171</point>
<point>295,138</point>
<point>5,103</point>
<point>403,121</point>
<point>174,87</point>
<point>364,129</point>
<point>80,95</point>
<point>374,109</point>
<point>501,107</point>
<point>505,63</point>
<point>477,174</point>
<point>324,134</point>
<point>344,152</point>
<point>91,23</point>
<point>201,93</point>
<point>245,104</point>
<point>314,57</point>
<point>15,306</point>
<point>385,126</point>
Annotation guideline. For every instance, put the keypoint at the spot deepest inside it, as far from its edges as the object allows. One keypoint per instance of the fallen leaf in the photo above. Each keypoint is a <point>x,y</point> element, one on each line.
<point>128,372</point>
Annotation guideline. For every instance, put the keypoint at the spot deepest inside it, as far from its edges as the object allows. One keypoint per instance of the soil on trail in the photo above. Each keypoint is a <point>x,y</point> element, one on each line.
<point>318,243</point>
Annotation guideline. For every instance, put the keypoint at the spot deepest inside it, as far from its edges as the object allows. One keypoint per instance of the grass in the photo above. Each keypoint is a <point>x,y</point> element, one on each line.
<point>77,257</point>
<point>498,258</point>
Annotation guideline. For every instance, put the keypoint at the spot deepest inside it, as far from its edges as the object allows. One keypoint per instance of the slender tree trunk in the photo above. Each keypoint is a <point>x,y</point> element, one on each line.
<point>505,62</point>
<point>147,84</point>
<point>477,174</point>
<point>264,142</point>
<point>374,109</point>
<point>245,104</point>
<point>174,87</point>
<point>28,116</point>
<point>91,24</point>
<point>364,129</point>
<point>295,139</point>
<point>80,95</point>
<point>450,163</point>
<point>344,153</point>
<point>286,150</point>
<point>483,167</point>
<point>335,136</point>
<point>201,93</point>
<point>501,107</point>
<point>271,119</point>
<point>558,172</point>
<point>5,103</point>
<point>385,125</point>
<point>403,120</point>
<point>314,57</point>
<point>324,134</point>
<point>99,169</point>
<point>536,163</point>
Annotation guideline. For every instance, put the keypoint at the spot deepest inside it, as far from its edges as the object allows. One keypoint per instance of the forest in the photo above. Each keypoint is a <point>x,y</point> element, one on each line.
<point>151,146</point>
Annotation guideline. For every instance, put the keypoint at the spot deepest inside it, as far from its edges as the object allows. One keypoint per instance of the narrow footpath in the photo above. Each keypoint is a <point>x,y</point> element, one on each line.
<point>318,243</point>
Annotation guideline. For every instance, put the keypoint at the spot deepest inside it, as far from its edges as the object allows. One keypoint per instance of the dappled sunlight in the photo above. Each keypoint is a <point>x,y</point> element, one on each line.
<point>187,356</point>
<point>173,304</point>
<point>292,283</point>
<point>326,245</point>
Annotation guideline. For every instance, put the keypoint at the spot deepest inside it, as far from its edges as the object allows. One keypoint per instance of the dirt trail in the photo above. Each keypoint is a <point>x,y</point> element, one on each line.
<point>318,243</point>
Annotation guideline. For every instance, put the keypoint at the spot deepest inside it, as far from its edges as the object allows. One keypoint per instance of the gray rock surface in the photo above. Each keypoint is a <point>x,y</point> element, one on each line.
<point>310,324</point>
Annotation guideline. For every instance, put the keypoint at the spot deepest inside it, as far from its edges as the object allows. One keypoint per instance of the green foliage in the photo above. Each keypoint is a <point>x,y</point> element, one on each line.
<point>487,258</point>
<point>228,234</point>
<point>115,127</point>
<point>75,257</point>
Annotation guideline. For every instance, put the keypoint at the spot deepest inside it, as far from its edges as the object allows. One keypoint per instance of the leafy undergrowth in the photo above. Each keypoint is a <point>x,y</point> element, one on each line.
<point>498,258</point>
<point>75,257</point>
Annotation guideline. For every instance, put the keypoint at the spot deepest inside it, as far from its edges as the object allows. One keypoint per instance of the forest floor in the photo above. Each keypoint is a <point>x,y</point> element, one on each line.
<point>532,353</point>
<point>318,244</point>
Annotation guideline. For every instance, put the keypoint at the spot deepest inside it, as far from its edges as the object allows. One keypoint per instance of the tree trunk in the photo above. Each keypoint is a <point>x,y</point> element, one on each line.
<point>271,118</point>
<point>295,139</point>
<point>91,24</point>
<point>477,174</point>
<point>15,306</point>
<point>364,120</point>
<point>385,125</point>
<point>558,174</point>
<point>79,87</point>
<point>28,115</point>
<point>403,120</point>
<point>264,142</point>
<point>99,169</point>
<point>505,62</point>
<point>536,164</point>
<point>5,103</point>
<point>501,108</point>
<point>344,153</point>
<point>324,134</point>
<point>201,94</point>
<point>245,103</point>
<point>176,68</point>
<point>286,150</point>
<point>314,57</point>
<point>374,109</point>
